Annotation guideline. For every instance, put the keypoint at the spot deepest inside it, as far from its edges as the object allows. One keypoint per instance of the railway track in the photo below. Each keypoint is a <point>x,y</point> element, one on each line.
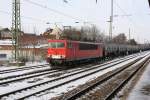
<point>37,73</point>
<point>22,69</point>
<point>53,83</point>
<point>43,73</point>
<point>94,90</point>
<point>122,84</point>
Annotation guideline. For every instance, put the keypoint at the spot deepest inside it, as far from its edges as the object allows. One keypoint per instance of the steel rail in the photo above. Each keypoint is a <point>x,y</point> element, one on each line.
<point>10,78</point>
<point>122,84</point>
<point>87,89</point>
<point>68,81</point>
<point>20,69</point>
<point>35,85</point>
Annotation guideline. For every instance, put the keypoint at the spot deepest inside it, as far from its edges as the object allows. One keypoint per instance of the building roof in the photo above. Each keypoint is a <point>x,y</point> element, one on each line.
<point>4,29</point>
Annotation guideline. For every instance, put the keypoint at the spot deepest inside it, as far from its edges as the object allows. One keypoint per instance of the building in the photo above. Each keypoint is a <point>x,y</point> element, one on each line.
<point>32,46</point>
<point>28,52</point>
<point>5,33</point>
<point>53,33</point>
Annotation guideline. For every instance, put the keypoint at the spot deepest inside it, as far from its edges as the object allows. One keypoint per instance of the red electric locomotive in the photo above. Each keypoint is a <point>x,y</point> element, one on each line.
<point>67,51</point>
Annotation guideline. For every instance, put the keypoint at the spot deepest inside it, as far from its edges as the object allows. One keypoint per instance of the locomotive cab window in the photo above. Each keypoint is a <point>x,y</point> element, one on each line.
<point>56,45</point>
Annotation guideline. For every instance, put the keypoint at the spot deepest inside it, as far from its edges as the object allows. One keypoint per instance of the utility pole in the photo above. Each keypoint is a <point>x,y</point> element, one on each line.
<point>129,34</point>
<point>96,1</point>
<point>16,30</point>
<point>111,21</point>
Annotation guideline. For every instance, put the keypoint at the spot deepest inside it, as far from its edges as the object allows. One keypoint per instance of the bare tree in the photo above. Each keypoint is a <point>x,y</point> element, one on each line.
<point>121,38</point>
<point>95,33</point>
<point>90,33</point>
<point>86,33</point>
<point>132,42</point>
<point>72,34</point>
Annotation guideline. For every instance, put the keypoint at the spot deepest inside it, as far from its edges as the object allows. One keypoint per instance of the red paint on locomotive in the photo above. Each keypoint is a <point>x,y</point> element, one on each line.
<point>67,50</point>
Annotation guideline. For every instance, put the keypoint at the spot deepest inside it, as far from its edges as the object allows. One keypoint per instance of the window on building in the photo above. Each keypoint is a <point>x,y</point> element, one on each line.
<point>3,55</point>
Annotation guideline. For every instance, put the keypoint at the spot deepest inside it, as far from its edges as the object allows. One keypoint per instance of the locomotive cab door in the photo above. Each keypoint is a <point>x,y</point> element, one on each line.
<point>72,51</point>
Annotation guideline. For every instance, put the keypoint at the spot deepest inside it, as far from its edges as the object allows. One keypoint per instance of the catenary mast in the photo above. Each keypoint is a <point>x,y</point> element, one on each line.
<point>16,29</point>
<point>111,22</point>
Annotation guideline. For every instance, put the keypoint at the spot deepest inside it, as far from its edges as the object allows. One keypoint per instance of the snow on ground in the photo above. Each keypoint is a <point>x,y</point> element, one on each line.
<point>142,89</point>
<point>6,42</point>
<point>60,90</point>
<point>24,71</point>
<point>6,67</point>
<point>30,64</point>
<point>56,91</point>
<point>22,84</point>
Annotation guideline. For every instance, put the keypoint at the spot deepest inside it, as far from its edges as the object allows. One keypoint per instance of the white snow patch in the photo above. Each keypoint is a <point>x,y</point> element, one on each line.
<point>65,88</point>
<point>27,65</point>
<point>6,42</point>
<point>138,93</point>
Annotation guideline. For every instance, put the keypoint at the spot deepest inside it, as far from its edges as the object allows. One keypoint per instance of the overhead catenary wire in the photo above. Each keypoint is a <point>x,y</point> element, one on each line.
<point>26,17</point>
<point>61,13</point>
<point>53,10</point>
<point>128,17</point>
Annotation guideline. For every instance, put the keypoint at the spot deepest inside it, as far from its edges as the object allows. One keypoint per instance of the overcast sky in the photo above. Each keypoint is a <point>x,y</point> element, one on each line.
<point>134,14</point>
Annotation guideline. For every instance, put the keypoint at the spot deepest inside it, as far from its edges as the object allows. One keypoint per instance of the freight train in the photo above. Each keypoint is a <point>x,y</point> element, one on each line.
<point>68,52</point>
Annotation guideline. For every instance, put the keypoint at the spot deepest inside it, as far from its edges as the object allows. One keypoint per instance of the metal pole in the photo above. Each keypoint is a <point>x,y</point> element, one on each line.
<point>111,21</point>
<point>16,29</point>
<point>129,34</point>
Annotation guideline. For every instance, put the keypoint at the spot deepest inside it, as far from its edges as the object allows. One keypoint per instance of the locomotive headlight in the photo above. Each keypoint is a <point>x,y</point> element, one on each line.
<point>58,56</point>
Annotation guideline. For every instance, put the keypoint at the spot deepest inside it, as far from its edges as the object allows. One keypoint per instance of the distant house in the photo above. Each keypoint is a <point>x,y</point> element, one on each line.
<point>29,52</point>
<point>48,32</point>
<point>53,33</point>
<point>5,33</point>
<point>32,39</point>
<point>33,47</point>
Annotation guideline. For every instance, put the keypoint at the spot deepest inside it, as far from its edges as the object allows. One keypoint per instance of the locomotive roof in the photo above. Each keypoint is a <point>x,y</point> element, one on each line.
<point>74,41</point>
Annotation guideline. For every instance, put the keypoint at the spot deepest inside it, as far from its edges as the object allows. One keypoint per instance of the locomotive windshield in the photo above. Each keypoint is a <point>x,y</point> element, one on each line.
<point>56,44</point>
